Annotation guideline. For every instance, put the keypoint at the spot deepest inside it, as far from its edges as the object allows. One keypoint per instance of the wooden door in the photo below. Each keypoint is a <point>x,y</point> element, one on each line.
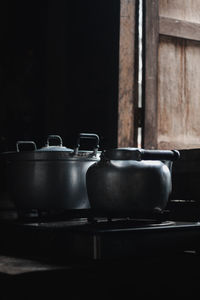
<point>171,75</point>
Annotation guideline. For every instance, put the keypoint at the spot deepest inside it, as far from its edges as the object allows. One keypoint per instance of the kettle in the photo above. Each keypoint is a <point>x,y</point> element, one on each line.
<point>130,182</point>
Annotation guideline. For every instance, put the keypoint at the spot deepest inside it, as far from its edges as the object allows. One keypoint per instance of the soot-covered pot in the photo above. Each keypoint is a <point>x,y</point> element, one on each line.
<point>130,181</point>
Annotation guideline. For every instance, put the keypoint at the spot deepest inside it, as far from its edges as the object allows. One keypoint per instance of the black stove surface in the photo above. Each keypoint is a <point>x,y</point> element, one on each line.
<point>97,238</point>
<point>159,253</point>
<point>103,225</point>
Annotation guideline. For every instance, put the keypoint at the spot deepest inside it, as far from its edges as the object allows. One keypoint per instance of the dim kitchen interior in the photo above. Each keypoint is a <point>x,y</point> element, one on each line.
<point>99,149</point>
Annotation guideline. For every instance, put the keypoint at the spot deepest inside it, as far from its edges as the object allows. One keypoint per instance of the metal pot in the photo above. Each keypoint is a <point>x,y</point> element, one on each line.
<point>130,181</point>
<point>51,178</point>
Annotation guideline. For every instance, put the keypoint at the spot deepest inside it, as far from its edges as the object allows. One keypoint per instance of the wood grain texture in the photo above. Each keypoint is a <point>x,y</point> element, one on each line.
<point>151,64</point>
<point>178,94</point>
<point>187,10</point>
<point>178,28</point>
<point>126,74</point>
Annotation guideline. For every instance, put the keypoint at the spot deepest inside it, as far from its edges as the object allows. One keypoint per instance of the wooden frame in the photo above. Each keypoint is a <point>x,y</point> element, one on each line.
<point>151,38</point>
<point>179,28</point>
<point>157,27</point>
<point>127,96</point>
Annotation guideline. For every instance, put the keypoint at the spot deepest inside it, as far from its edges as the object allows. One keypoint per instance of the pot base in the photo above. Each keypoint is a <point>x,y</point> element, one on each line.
<point>59,215</point>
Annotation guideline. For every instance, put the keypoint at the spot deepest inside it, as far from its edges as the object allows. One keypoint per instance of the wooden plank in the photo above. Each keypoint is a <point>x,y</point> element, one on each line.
<point>187,10</point>
<point>171,89</point>
<point>151,65</point>
<point>178,94</point>
<point>179,28</point>
<point>126,74</point>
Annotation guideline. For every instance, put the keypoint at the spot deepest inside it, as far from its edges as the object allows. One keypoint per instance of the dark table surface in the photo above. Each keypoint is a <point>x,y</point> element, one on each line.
<point>141,277</point>
<point>28,275</point>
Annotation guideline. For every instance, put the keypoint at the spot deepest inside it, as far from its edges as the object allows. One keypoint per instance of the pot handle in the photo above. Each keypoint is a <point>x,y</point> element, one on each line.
<point>54,137</point>
<point>159,154</point>
<point>92,136</point>
<point>25,143</point>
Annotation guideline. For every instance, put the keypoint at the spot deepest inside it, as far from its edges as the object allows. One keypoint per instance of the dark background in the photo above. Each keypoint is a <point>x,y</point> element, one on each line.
<point>58,70</point>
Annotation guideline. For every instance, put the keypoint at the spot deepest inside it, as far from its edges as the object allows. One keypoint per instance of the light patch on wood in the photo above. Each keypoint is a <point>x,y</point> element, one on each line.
<point>126,74</point>
<point>151,66</point>
<point>178,94</point>
<point>187,10</point>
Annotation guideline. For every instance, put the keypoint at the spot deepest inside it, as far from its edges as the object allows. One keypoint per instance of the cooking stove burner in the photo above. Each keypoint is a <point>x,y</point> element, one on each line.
<point>36,216</point>
<point>57,224</point>
<point>104,223</point>
<point>100,224</point>
<point>99,238</point>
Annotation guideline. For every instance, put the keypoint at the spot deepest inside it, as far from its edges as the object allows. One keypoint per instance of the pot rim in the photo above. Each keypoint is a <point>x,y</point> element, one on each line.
<point>50,156</point>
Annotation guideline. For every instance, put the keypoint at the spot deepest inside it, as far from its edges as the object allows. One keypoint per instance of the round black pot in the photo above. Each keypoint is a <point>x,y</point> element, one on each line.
<point>130,182</point>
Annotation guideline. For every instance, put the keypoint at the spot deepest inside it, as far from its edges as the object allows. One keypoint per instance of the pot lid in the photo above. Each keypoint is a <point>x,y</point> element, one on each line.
<point>27,151</point>
<point>53,150</point>
<point>58,147</point>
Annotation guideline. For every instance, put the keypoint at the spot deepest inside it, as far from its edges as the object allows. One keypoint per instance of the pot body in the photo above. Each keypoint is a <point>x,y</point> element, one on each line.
<point>48,185</point>
<point>52,178</point>
<point>128,187</point>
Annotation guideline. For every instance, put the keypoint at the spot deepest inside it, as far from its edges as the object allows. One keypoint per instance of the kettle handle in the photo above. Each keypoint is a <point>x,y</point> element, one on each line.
<point>159,154</point>
<point>87,136</point>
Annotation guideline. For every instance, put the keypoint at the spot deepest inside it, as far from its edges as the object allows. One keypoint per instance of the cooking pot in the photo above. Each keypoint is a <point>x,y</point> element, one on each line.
<point>130,181</point>
<point>51,178</point>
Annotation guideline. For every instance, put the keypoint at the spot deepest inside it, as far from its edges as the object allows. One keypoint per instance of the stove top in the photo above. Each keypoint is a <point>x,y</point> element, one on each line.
<point>97,238</point>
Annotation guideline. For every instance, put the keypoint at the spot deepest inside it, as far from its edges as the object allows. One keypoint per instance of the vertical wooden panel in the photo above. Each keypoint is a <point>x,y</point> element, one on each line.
<point>172,103</point>
<point>151,63</point>
<point>126,74</point>
<point>178,94</point>
<point>171,92</point>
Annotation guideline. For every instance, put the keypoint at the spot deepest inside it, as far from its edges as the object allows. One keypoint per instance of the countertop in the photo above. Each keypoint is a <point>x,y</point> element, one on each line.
<point>30,278</point>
